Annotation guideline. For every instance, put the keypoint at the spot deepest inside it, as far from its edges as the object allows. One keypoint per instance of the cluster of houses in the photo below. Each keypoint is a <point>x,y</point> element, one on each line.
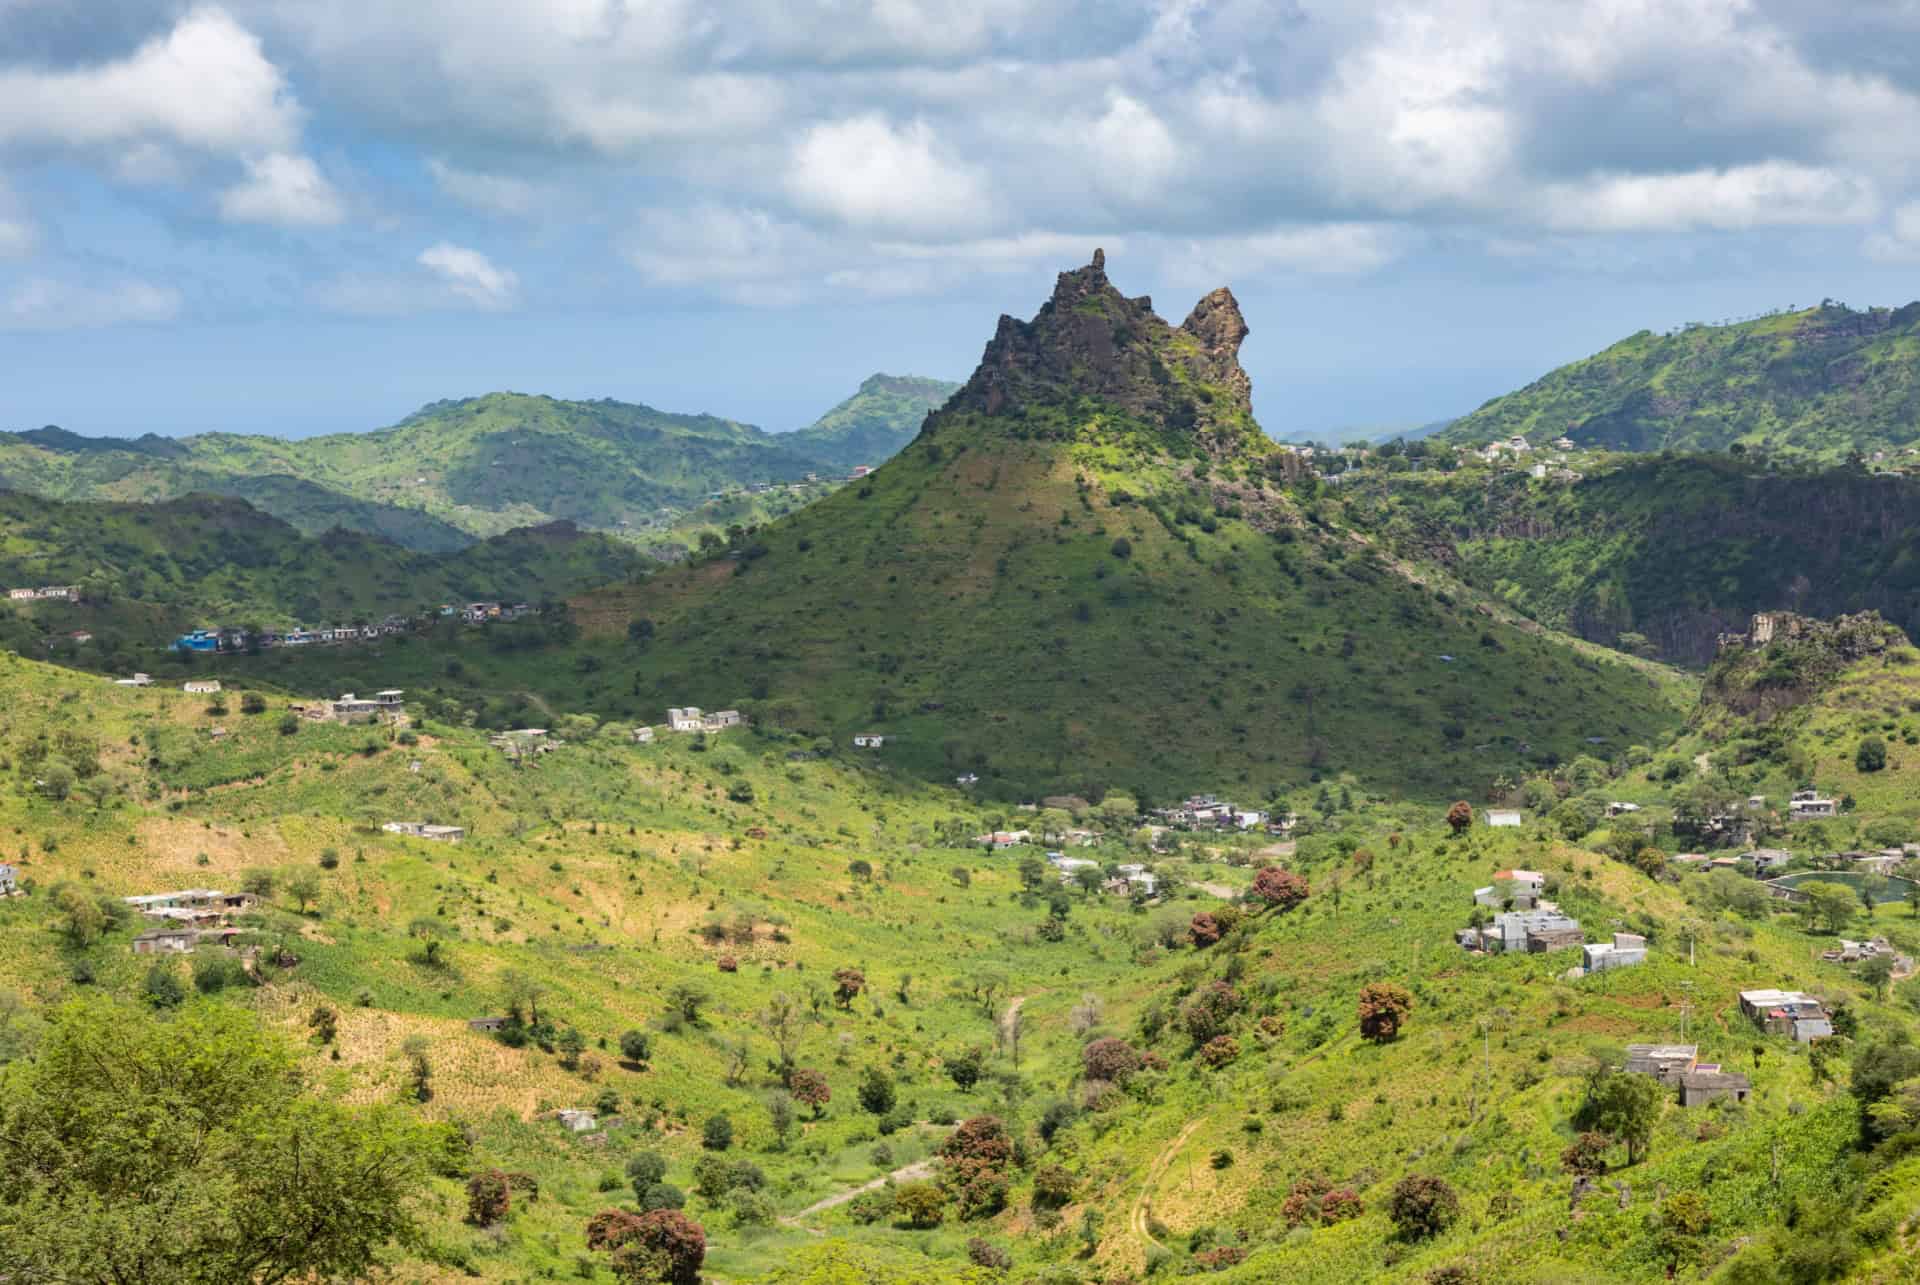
<point>1678,1066</point>
<point>1205,812</point>
<point>46,593</point>
<point>1131,879</point>
<point>1854,952</point>
<point>1763,862</point>
<point>187,919</point>
<point>229,638</point>
<point>388,705</point>
<point>422,830</point>
<point>1529,924</point>
<point>691,719</point>
<point>520,742</point>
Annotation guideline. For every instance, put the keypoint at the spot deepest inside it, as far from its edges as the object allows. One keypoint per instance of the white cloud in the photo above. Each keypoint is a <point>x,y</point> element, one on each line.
<point>1329,249</point>
<point>205,84</point>
<point>44,303</point>
<point>283,188</point>
<point>471,276</point>
<point>1900,242</point>
<point>865,172</point>
<point>18,236</point>
<point>493,193</point>
<point>1770,194</point>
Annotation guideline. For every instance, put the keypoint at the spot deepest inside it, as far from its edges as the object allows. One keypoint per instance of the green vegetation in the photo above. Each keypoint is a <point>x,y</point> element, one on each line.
<point>455,471</point>
<point>1824,382</point>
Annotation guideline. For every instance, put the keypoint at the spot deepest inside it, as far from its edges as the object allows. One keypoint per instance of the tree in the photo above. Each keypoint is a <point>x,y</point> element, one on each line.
<point>644,1169</point>
<point>489,1196</point>
<point>810,1089</point>
<point>162,987</point>
<point>1621,1105</point>
<point>1204,930</point>
<point>876,1091</point>
<point>1034,874</point>
<point>1829,906</point>
<point>304,887</point>
<point>270,1184</point>
<point>662,1245</point>
<point>1384,1008</point>
<point>847,985</point>
<point>1877,971</point>
<point>780,1115</point>
<point>1110,1059</point>
<point>635,1046</point>
<point>964,1068</point>
<point>1209,1010</point>
<point>717,1133</point>
<point>1422,1205</point>
<point>784,1019</point>
<point>1122,548</point>
<point>685,1000</point>
<point>258,883</point>
<point>1278,889</point>
<point>1871,754</point>
<point>861,869</point>
<point>324,1023</point>
<point>1460,816</point>
<point>920,1204</point>
<point>975,1158</point>
<point>571,1045</point>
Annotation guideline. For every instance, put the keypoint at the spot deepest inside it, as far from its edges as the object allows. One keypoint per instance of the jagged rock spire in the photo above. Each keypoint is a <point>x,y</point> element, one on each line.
<point>1091,342</point>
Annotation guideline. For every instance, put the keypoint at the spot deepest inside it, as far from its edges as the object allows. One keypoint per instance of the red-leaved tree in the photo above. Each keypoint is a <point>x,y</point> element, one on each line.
<point>1280,889</point>
<point>809,1088</point>
<point>1383,1010</point>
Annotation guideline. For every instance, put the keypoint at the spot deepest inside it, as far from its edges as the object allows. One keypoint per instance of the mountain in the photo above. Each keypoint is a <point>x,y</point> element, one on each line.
<point>151,571</point>
<point>1089,567</point>
<point>1666,553</point>
<point>875,422</point>
<point>1821,382</point>
<point>456,471</point>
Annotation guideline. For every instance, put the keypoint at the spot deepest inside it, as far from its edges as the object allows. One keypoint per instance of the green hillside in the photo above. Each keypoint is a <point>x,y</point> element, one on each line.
<point>1089,568</point>
<point>1821,382</point>
<point>1673,551</point>
<point>459,470</point>
<point>610,887</point>
<point>875,422</point>
<point>150,571</point>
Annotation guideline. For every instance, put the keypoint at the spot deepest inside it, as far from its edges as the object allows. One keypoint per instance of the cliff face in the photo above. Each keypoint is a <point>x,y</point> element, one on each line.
<point>1785,660</point>
<point>1088,341</point>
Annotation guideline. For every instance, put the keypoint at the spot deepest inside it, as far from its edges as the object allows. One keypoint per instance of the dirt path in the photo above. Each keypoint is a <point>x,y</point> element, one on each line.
<point>1219,890</point>
<point>906,1173</point>
<point>1143,1207</point>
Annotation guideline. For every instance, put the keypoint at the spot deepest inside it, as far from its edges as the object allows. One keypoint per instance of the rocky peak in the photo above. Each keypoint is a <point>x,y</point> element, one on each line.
<point>1088,341</point>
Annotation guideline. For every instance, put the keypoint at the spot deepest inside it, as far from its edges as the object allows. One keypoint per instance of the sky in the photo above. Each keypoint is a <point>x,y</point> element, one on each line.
<point>295,217</point>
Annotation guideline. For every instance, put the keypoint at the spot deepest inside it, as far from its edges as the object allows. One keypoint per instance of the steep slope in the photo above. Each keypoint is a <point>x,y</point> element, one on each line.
<point>1085,570</point>
<point>151,570</point>
<point>458,470</point>
<point>874,423</point>
<point>1823,382</point>
<point>1676,550</point>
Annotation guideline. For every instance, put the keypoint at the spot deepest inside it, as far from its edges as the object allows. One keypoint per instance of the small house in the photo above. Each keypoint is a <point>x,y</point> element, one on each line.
<point>1799,1016</point>
<point>1664,1062</point>
<point>422,830</point>
<point>1810,805</point>
<point>1503,818</point>
<point>869,740</point>
<point>643,736</point>
<point>1619,809</point>
<point>1531,880</point>
<point>967,780</point>
<point>1705,1082</point>
<point>1625,950</point>
<point>487,1024</point>
<point>576,1119</point>
<point>1767,860</point>
<point>166,941</point>
<point>9,880</point>
<point>138,680</point>
<point>201,687</point>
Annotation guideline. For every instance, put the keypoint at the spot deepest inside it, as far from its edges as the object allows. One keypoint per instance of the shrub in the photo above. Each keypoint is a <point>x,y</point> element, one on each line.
<point>1871,756</point>
<point>920,1204</point>
<point>1221,1050</point>
<point>1209,1010</point>
<point>635,1046</point>
<point>1220,1258</point>
<point>983,1253</point>
<point>872,1206</point>
<point>809,1088</point>
<point>717,1133</point>
<point>1422,1206</point>
<point>1110,1059</point>
<point>1587,1154</point>
<point>663,1195</point>
<point>644,1168</point>
<point>1281,889</point>
<point>661,1245</point>
<point>1204,930</point>
<point>876,1091</point>
<point>488,1197</point>
<point>162,988</point>
<point>1052,1187</point>
<point>1383,1009</point>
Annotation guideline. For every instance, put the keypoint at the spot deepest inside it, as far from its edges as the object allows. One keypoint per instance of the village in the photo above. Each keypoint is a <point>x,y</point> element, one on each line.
<point>231,638</point>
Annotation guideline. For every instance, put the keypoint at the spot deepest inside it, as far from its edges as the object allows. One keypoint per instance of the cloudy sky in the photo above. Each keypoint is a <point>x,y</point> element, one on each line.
<point>292,216</point>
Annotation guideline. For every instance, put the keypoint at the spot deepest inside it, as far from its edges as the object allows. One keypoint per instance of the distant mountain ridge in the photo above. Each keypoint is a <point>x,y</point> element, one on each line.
<point>460,470</point>
<point>1821,382</point>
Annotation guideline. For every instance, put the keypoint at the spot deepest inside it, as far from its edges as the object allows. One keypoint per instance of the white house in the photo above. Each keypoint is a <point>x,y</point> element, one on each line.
<point>967,780</point>
<point>421,830</point>
<point>1625,950</point>
<point>691,719</point>
<point>203,687</point>
<point>869,740</point>
<point>1622,809</point>
<point>643,735</point>
<point>1502,818</point>
<point>1809,805</point>
<point>138,680</point>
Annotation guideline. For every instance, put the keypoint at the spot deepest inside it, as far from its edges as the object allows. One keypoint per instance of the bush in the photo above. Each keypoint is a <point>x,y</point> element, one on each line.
<point>162,987</point>
<point>1209,1010</point>
<point>253,703</point>
<point>1383,1009</point>
<point>1422,1206</point>
<point>717,1133</point>
<point>635,1046</point>
<point>920,1204</point>
<point>488,1197</point>
<point>663,1195</point>
<point>1052,1187</point>
<point>872,1206</point>
<point>644,1168</point>
<point>1281,889</point>
<point>1871,756</point>
<point>1221,1050</point>
<point>983,1253</point>
<point>876,1091</point>
<point>662,1245</point>
<point>1109,1059</point>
